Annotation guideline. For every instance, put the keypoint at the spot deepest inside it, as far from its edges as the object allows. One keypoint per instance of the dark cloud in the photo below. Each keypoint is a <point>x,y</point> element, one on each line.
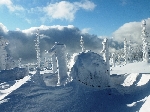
<point>22,43</point>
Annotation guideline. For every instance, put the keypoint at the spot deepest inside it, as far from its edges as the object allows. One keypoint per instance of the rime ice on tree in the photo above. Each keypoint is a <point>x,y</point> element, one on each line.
<point>105,52</point>
<point>125,50</point>
<point>54,63</point>
<point>59,59</point>
<point>113,59</point>
<point>37,42</point>
<point>130,52</point>
<point>47,61</point>
<point>3,56</point>
<point>82,44</point>
<point>145,43</point>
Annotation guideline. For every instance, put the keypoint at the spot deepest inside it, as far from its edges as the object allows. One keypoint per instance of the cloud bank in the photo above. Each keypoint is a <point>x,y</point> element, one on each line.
<point>131,31</point>
<point>22,41</point>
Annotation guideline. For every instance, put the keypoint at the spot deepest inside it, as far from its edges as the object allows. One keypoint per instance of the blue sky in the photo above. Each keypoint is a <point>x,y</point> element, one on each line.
<point>99,17</point>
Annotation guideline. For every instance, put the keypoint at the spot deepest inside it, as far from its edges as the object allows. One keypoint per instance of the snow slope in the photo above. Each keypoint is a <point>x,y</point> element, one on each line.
<point>128,92</point>
<point>74,97</point>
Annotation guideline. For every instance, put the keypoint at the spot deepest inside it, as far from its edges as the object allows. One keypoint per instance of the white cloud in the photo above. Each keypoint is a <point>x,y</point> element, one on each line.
<point>85,30</point>
<point>43,27</point>
<point>103,37</point>
<point>18,29</point>
<point>61,10</point>
<point>10,5</point>
<point>3,28</point>
<point>66,10</point>
<point>87,5</point>
<point>130,31</point>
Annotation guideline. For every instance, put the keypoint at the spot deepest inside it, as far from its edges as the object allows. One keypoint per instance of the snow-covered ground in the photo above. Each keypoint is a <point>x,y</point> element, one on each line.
<point>135,76</point>
<point>9,87</point>
<point>129,91</point>
<point>136,67</point>
<point>26,96</point>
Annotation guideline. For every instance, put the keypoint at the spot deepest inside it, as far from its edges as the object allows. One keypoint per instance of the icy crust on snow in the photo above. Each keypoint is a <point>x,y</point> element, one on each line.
<point>90,69</point>
<point>13,74</point>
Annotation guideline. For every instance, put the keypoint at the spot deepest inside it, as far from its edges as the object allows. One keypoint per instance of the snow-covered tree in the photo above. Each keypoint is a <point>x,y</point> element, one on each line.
<point>37,43</point>
<point>82,44</point>
<point>3,53</point>
<point>105,52</point>
<point>145,42</point>
<point>125,50</point>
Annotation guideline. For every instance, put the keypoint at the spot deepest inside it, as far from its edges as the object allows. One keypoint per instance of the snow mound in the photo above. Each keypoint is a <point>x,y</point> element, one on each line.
<point>90,69</point>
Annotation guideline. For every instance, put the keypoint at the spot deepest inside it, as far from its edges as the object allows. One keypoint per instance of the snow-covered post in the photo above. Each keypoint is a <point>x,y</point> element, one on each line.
<point>82,44</point>
<point>145,43</point>
<point>105,52</point>
<point>125,51</point>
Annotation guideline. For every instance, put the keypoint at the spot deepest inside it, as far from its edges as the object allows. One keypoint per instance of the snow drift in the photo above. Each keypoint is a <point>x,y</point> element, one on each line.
<point>91,70</point>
